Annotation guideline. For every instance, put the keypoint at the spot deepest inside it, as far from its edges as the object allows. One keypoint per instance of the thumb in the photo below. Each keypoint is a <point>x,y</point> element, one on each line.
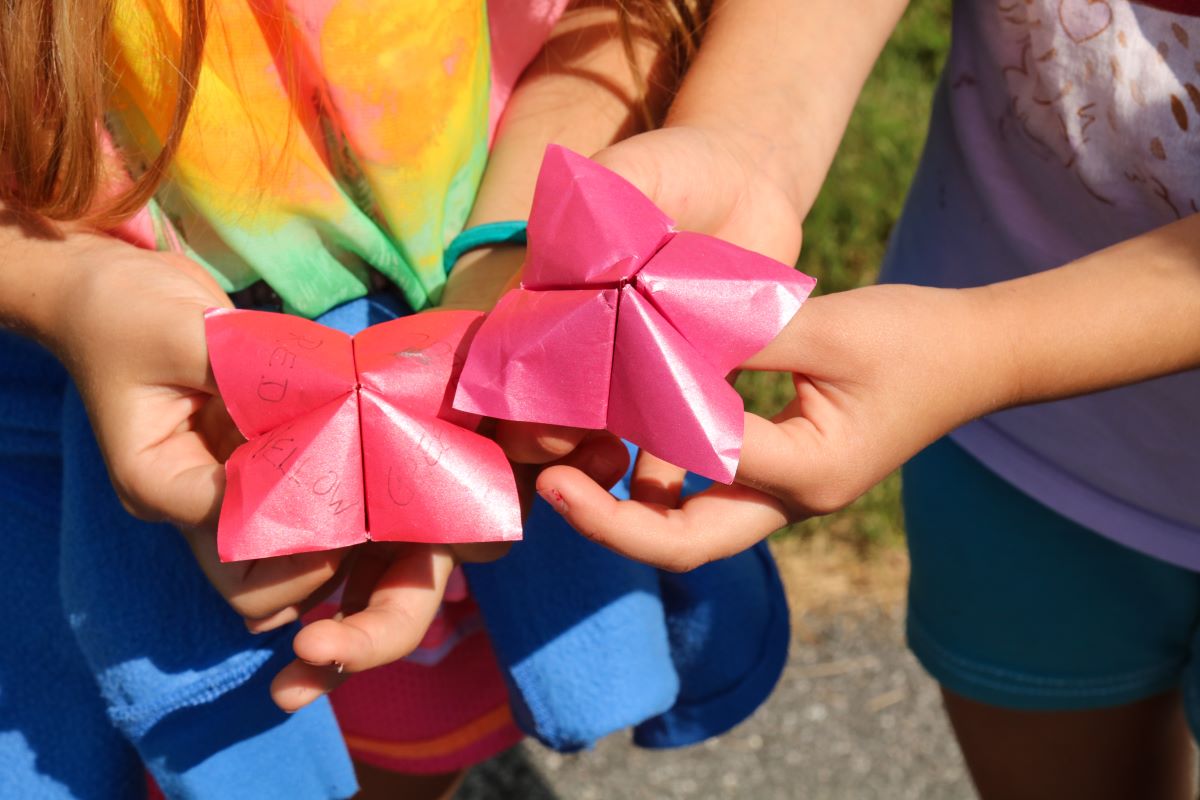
<point>177,481</point>
<point>803,343</point>
<point>794,462</point>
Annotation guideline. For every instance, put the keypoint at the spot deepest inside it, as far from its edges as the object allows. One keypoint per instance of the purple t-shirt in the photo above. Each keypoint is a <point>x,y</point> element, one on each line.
<point>1061,127</point>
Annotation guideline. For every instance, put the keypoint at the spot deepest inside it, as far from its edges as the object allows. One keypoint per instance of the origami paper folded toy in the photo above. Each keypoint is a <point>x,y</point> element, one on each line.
<point>623,323</point>
<point>351,439</point>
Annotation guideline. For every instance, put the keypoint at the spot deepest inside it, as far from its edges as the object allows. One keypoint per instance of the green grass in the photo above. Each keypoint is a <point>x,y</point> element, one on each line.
<point>846,233</point>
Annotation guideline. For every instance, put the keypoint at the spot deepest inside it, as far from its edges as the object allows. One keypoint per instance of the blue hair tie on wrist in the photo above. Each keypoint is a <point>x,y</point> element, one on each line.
<point>486,235</point>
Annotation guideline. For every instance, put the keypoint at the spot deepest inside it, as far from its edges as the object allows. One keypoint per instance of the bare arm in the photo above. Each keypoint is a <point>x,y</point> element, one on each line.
<point>580,92</point>
<point>1124,314</point>
<point>779,78</point>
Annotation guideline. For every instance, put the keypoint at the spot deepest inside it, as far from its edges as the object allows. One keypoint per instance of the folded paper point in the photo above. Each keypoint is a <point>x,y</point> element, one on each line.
<point>587,210</point>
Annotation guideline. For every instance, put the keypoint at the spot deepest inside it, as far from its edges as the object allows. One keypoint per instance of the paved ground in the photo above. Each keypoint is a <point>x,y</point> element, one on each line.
<point>853,718</point>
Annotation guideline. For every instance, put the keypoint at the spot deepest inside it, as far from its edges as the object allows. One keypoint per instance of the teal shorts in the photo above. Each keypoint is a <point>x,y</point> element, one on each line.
<point>1012,605</point>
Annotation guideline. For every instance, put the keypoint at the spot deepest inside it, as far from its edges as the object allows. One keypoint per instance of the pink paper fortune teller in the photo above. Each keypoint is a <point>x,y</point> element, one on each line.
<point>352,438</point>
<point>625,324</point>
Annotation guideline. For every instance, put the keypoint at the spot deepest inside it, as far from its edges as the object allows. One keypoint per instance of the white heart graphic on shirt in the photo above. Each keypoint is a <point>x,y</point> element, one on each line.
<point>1084,19</point>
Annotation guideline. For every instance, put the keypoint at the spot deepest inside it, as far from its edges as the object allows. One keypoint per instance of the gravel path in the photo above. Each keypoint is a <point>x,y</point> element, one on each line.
<point>853,718</point>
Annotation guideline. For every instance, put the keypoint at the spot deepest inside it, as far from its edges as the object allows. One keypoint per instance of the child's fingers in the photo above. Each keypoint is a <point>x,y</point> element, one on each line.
<point>284,616</point>
<point>271,584</point>
<point>295,611</point>
<point>397,614</point>
<point>371,563</point>
<point>299,684</point>
<point>536,443</point>
<point>192,496</point>
<point>601,456</point>
<point>259,589</point>
<point>774,458</point>
<point>711,525</point>
<point>481,552</point>
<point>656,481</point>
<point>164,454</point>
<point>782,475</point>
<point>177,479</point>
<point>813,470</point>
<point>218,429</point>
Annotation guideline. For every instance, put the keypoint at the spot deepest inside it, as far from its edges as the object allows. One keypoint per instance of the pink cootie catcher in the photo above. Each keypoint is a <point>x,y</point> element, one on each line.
<point>623,323</point>
<point>353,438</point>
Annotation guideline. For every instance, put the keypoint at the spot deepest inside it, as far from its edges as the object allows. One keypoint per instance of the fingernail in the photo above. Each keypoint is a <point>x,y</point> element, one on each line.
<point>555,499</point>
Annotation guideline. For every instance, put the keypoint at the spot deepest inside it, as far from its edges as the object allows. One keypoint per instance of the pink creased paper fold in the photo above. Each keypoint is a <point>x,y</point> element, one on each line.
<point>352,438</point>
<point>623,323</point>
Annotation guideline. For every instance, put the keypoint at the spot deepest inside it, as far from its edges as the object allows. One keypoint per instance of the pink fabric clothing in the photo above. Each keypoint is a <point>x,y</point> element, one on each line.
<point>443,708</point>
<point>519,29</point>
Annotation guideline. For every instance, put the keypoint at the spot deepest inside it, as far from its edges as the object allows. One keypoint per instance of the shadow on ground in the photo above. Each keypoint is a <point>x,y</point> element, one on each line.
<point>509,775</point>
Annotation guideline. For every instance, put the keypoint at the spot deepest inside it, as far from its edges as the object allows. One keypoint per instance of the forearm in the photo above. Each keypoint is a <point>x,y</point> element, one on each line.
<point>35,267</point>
<point>1121,315</point>
<point>579,92</point>
<point>780,78</point>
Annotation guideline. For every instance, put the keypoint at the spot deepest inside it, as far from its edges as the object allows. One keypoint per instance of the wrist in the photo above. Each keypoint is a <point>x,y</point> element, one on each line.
<point>992,361</point>
<point>36,280</point>
<point>481,277</point>
<point>761,156</point>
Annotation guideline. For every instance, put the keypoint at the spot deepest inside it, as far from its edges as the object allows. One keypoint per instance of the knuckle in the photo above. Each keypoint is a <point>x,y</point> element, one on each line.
<point>826,499</point>
<point>552,445</point>
<point>257,605</point>
<point>686,561</point>
<point>135,499</point>
<point>594,533</point>
<point>403,636</point>
<point>250,608</point>
<point>482,553</point>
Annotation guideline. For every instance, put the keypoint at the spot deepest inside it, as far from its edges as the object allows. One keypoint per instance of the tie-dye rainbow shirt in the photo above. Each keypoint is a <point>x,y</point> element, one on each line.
<point>326,137</point>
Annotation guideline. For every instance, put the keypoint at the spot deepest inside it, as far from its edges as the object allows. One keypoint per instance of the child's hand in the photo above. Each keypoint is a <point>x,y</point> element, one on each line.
<point>880,373</point>
<point>707,182</point>
<point>393,591</point>
<point>130,330</point>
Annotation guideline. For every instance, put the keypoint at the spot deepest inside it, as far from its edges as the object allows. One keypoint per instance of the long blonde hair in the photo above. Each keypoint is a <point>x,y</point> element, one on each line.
<point>54,83</point>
